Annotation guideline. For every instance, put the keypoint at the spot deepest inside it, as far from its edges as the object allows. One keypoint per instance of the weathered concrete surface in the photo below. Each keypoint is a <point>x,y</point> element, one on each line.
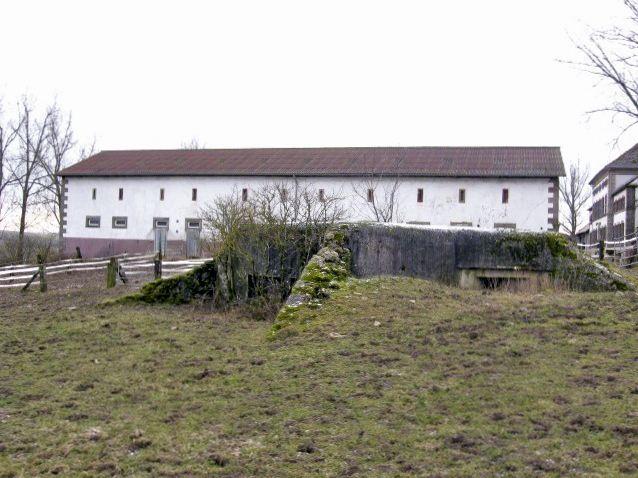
<point>326,271</point>
<point>465,256</point>
<point>439,253</point>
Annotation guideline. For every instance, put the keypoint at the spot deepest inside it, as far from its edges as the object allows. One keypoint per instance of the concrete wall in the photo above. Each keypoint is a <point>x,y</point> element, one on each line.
<point>442,254</point>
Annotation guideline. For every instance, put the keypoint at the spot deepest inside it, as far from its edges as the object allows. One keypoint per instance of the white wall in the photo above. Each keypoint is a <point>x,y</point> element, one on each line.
<point>527,206</point>
<point>603,193</point>
<point>620,215</point>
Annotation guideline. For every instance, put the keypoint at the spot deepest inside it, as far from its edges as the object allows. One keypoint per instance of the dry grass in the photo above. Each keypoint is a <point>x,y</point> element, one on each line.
<point>393,377</point>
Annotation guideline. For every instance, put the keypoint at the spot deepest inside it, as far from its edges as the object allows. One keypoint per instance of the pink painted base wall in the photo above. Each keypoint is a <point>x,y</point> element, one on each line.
<point>109,247</point>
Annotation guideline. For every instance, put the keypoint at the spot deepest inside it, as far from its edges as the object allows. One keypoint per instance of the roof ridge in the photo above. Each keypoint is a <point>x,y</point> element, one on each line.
<point>516,161</point>
<point>290,148</point>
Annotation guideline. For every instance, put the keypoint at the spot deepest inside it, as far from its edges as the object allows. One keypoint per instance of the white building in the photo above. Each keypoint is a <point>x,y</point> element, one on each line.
<point>135,201</point>
<point>613,211</point>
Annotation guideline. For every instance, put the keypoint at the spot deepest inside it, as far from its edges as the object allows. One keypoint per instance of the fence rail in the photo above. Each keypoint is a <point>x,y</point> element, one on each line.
<point>128,266</point>
<point>622,251</point>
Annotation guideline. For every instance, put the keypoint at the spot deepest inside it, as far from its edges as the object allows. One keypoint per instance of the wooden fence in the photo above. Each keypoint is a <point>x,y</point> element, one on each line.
<point>142,268</point>
<point>622,251</point>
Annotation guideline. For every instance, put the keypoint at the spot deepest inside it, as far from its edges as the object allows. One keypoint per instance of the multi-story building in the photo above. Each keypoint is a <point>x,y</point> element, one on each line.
<point>613,211</point>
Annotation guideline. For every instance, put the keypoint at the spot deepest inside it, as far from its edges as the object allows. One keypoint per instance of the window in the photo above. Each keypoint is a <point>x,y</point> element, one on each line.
<point>419,195</point>
<point>322,195</point>
<point>244,194</point>
<point>119,222</point>
<point>193,223</point>
<point>461,195</point>
<point>370,195</point>
<point>504,225</point>
<point>94,194</point>
<point>121,194</point>
<point>194,194</point>
<point>161,194</point>
<point>619,230</point>
<point>284,195</point>
<point>506,196</point>
<point>92,221</point>
<point>160,223</point>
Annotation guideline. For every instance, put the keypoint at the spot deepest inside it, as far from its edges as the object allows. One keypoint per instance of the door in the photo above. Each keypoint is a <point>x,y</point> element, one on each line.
<point>160,228</point>
<point>193,232</point>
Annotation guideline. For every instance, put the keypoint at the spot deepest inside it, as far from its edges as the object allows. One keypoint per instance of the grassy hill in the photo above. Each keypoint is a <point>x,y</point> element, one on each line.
<point>392,377</point>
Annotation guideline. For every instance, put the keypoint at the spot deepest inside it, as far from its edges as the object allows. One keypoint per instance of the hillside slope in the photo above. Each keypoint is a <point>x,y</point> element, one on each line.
<point>391,377</point>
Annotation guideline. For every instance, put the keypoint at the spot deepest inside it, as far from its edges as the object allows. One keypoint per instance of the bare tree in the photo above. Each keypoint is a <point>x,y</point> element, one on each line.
<point>225,221</point>
<point>378,198</point>
<point>612,57</point>
<point>268,234</point>
<point>26,166</point>
<point>61,153</point>
<point>193,144</point>
<point>574,193</point>
<point>7,135</point>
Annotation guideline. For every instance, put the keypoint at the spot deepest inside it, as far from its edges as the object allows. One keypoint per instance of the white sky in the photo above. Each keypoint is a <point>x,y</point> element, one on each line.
<point>151,75</point>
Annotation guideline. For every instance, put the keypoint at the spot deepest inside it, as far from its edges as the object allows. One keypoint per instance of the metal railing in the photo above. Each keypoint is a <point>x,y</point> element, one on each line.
<point>622,251</point>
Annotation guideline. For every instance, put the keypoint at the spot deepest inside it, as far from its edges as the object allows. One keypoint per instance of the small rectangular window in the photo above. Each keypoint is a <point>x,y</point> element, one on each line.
<point>121,194</point>
<point>194,194</point>
<point>94,194</point>
<point>160,223</point>
<point>322,195</point>
<point>419,195</point>
<point>92,221</point>
<point>119,222</point>
<point>506,196</point>
<point>193,223</point>
<point>370,195</point>
<point>161,194</point>
<point>461,195</point>
<point>244,194</point>
<point>284,195</point>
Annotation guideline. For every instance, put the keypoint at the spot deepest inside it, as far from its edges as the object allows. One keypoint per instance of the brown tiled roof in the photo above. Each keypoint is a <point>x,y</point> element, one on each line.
<point>627,160</point>
<point>410,161</point>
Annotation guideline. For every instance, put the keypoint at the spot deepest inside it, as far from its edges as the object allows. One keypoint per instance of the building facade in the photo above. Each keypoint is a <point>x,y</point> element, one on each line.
<point>613,211</point>
<point>138,201</point>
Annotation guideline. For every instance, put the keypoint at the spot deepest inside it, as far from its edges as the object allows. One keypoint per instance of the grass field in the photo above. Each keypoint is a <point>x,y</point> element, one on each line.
<point>393,377</point>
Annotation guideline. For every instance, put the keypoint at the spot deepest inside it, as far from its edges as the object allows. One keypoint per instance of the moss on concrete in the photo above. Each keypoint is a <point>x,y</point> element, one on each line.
<point>586,274</point>
<point>326,271</point>
<point>179,289</point>
<point>533,250</point>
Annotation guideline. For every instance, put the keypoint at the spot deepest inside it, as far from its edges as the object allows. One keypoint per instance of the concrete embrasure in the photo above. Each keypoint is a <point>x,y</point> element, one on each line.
<point>461,256</point>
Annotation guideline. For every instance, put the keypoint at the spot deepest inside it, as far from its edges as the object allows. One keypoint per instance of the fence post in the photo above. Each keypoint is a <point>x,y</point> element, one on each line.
<point>111,272</point>
<point>43,278</point>
<point>158,267</point>
<point>601,249</point>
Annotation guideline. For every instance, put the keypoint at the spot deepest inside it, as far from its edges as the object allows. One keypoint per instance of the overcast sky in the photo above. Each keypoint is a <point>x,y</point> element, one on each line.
<point>234,74</point>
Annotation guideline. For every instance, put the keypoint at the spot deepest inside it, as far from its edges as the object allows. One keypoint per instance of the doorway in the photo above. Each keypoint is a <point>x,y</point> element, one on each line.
<point>193,234</point>
<point>160,230</point>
